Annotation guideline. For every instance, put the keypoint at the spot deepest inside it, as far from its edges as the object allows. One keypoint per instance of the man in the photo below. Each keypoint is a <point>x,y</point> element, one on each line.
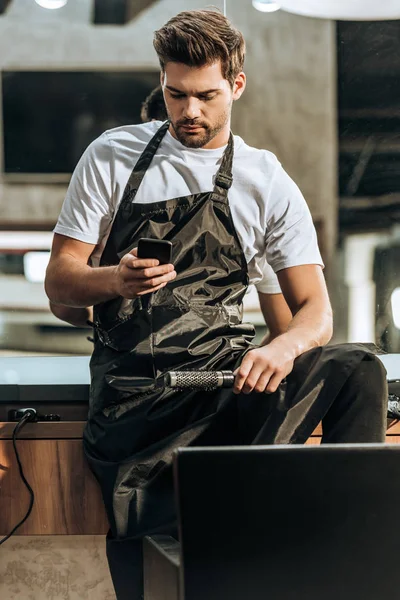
<point>229,210</point>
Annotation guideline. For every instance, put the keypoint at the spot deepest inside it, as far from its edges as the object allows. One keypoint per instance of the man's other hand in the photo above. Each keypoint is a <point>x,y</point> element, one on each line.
<point>264,368</point>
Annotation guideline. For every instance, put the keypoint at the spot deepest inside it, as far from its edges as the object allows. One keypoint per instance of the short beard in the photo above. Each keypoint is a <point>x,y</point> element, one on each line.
<point>200,140</point>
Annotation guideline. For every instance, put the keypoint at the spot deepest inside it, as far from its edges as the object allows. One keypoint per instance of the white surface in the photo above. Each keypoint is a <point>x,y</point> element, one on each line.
<point>44,370</point>
<point>395,302</point>
<point>353,10</point>
<point>266,5</point>
<point>19,294</point>
<point>35,265</point>
<point>25,240</point>
<point>392,365</point>
<point>51,4</point>
<point>359,260</point>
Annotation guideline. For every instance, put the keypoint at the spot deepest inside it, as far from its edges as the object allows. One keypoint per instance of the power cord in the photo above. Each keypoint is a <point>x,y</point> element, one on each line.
<point>28,414</point>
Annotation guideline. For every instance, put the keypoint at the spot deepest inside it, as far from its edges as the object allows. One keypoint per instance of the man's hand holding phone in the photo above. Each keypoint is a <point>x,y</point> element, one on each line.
<point>143,270</point>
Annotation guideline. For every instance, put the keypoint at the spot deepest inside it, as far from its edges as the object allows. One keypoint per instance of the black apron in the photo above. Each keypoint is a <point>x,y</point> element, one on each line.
<point>195,322</point>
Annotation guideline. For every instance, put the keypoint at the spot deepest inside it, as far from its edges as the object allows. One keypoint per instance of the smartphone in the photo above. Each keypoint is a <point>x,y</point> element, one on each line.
<point>152,248</point>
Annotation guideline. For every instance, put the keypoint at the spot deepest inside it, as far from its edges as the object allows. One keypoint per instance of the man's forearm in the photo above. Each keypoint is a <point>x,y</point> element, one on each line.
<point>78,317</point>
<point>309,328</point>
<point>71,283</point>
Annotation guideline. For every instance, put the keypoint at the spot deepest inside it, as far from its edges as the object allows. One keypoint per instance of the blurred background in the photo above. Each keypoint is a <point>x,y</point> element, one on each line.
<point>323,94</point>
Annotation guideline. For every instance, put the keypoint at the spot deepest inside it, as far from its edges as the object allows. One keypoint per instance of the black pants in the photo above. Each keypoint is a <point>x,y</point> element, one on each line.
<point>358,415</point>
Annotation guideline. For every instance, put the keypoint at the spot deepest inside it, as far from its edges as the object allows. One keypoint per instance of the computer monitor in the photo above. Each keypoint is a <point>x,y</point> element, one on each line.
<point>289,522</point>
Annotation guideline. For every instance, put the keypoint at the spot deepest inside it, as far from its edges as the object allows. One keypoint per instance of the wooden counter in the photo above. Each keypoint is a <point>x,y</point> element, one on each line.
<point>392,433</point>
<point>67,496</point>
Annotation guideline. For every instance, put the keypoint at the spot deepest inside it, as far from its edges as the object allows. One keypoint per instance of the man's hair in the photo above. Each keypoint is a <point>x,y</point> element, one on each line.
<point>201,37</point>
<point>154,106</point>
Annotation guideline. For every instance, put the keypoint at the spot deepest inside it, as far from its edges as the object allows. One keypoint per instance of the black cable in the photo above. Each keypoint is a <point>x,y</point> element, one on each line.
<point>28,416</point>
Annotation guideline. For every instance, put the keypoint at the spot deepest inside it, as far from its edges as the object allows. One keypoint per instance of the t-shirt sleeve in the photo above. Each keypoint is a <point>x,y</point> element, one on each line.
<point>290,239</point>
<point>269,283</point>
<point>88,209</point>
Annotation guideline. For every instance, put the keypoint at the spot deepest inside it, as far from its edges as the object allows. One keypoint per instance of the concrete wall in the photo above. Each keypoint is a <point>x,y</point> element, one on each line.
<point>288,107</point>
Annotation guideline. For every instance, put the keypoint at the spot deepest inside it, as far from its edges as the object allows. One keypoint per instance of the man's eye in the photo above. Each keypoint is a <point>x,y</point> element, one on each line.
<point>177,95</point>
<point>206,98</point>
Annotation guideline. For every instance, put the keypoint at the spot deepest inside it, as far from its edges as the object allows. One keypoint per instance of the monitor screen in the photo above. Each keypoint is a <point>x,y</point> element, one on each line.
<point>49,117</point>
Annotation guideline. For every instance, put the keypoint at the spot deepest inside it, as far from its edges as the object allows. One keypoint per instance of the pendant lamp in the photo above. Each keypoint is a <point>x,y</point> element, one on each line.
<point>348,10</point>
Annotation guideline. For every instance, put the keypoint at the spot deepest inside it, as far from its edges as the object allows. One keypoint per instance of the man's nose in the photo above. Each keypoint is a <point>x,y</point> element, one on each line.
<point>192,109</point>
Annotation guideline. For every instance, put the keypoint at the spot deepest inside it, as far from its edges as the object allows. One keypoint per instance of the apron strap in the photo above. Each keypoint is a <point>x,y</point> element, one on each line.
<point>144,161</point>
<point>223,178</point>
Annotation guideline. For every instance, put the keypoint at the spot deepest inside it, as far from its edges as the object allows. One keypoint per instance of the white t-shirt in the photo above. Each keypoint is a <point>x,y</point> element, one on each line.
<point>270,215</point>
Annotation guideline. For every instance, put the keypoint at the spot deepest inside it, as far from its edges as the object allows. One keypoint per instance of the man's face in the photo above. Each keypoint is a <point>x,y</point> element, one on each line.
<point>199,103</point>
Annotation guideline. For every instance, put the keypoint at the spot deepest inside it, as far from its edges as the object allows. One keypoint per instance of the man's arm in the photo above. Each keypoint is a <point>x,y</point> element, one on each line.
<point>305,292</point>
<point>71,281</point>
<point>276,313</point>
<point>78,317</point>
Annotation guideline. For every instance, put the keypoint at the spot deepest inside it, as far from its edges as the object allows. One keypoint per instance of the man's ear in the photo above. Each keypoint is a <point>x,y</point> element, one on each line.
<point>162,77</point>
<point>239,86</point>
